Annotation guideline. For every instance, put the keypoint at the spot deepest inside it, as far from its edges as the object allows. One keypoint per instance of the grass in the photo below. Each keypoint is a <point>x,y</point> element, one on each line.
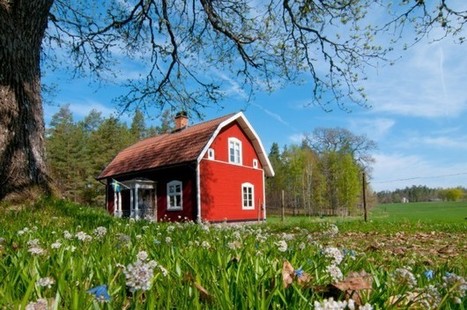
<point>191,266</point>
<point>429,212</point>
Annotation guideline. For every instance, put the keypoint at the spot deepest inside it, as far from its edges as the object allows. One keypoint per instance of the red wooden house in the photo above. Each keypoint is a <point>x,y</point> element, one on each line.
<point>213,171</point>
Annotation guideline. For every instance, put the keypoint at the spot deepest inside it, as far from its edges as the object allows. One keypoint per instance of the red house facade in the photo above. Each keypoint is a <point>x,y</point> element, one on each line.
<point>214,171</point>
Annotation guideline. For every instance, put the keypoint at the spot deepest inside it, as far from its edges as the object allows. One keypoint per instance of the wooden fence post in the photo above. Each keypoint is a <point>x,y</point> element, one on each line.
<point>365,215</point>
<point>282,206</point>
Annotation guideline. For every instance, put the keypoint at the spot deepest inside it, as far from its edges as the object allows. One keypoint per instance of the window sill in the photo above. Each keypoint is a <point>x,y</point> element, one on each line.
<point>174,209</point>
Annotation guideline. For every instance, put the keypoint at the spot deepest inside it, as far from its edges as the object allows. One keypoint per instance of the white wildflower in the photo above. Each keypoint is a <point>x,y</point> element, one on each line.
<point>139,275</point>
<point>67,235</point>
<point>302,246</point>
<point>37,250</point>
<point>168,240</point>
<point>335,254</point>
<point>45,282</point>
<point>288,237</point>
<point>282,246</point>
<point>234,245</point>
<point>330,304</point>
<point>335,272</point>
<point>82,236</point>
<point>456,285</point>
<point>164,271</point>
<point>142,255</point>
<point>332,230</point>
<point>236,234</point>
<point>170,228</point>
<point>404,277</point>
<point>33,243</point>
<point>100,232</point>
<point>56,245</point>
<point>205,245</point>
<point>366,307</point>
<point>40,304</point>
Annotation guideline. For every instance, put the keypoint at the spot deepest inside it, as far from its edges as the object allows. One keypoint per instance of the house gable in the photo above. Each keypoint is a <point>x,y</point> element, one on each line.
<point>241,129</point>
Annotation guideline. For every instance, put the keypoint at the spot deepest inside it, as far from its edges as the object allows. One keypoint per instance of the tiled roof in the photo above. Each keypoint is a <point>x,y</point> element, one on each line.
<point>163,150</point>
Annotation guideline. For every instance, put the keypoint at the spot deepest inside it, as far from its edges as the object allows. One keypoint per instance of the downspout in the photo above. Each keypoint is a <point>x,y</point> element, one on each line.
<point>264,196</point>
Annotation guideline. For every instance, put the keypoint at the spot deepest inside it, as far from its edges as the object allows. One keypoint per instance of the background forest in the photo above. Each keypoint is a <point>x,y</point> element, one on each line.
<point>322,176</point>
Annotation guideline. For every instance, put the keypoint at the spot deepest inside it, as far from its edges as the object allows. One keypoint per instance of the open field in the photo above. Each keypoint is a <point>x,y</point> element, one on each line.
<point>73,257</point>
<point>429,212</point>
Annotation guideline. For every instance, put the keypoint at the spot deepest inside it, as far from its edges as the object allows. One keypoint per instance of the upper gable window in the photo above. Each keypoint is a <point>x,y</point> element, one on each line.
<point>211,154</point>
<point>235,151</point>
<point>174,195</point>
<point>255,163</point>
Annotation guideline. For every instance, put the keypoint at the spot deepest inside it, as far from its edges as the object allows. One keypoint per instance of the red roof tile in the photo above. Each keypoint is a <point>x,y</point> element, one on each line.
<point>163,150</point>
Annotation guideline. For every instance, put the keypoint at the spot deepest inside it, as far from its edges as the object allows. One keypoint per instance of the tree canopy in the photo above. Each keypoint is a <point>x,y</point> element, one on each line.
<point>191,52</point>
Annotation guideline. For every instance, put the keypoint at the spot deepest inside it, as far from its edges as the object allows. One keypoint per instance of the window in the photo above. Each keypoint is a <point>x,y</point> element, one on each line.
<point>174,195</point>
<point>255,163</point>
<point>248,196</point>
<point>211,153</point>
<point>235,151</point>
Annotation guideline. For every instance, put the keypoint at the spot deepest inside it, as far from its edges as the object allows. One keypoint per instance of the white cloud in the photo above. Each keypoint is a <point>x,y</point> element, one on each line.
<point>392,171</point>
<point>454,140</point>
<point>375,128</point>
<point>428,82</point>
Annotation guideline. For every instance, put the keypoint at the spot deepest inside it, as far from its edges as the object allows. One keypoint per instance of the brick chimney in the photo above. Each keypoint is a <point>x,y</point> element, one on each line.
<point>181,120</point>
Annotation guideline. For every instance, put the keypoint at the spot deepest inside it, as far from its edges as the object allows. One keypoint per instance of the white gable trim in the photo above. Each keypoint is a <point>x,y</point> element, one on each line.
<point>251,134</point>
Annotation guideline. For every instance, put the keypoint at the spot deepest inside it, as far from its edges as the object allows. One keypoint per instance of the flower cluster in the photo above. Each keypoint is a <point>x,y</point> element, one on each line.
<point>40,304</point>
<point>404,277</point>
<point>82,236</point>
<point>334,254</point>
<point>281,246</point>
<point>331,304</point>
<point>35,248</point>
<point>56,245</point>
<point>456,285</point>
<point>100,232</point>
<point>336,257</point>
<point>139,275</point>
<point>45,282</point>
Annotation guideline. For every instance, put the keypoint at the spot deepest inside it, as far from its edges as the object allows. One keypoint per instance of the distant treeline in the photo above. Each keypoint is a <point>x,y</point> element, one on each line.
<point>422,194</point>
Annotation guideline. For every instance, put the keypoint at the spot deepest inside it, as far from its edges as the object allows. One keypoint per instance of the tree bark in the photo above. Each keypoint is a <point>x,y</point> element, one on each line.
<point>23,172</point>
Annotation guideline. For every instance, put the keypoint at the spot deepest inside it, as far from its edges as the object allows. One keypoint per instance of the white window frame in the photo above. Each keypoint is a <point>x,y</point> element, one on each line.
<point>255,163</point>
<point>235,146</point>
<point>248,201</point>
<point>211,154</point>
<point>170,206</point>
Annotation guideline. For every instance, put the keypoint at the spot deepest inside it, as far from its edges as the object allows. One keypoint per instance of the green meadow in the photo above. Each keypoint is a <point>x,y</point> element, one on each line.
<point>58,255</point>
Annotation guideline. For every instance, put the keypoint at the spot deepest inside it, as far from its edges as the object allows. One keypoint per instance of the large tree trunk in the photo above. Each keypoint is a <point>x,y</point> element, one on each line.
<point>22,155</point>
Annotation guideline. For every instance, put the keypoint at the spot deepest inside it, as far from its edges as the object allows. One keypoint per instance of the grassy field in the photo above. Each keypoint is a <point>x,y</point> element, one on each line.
<point>67,256</point>
<point>429,212</point>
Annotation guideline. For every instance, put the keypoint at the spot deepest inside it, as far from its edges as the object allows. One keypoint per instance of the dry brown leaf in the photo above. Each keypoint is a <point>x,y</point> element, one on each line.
<point>287,273</point>
<point>353,284</point>
<point>355,281</point>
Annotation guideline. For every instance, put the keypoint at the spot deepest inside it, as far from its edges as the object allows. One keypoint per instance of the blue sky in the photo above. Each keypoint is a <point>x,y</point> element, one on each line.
<point>418,116</point>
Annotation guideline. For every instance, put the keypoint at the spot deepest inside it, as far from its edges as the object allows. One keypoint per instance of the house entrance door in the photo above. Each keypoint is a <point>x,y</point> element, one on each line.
<point>146,202</point>
<point>141,201</point>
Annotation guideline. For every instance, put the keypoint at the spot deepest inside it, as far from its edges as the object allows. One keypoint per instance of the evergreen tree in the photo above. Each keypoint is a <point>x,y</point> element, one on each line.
<point>138,126</point>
